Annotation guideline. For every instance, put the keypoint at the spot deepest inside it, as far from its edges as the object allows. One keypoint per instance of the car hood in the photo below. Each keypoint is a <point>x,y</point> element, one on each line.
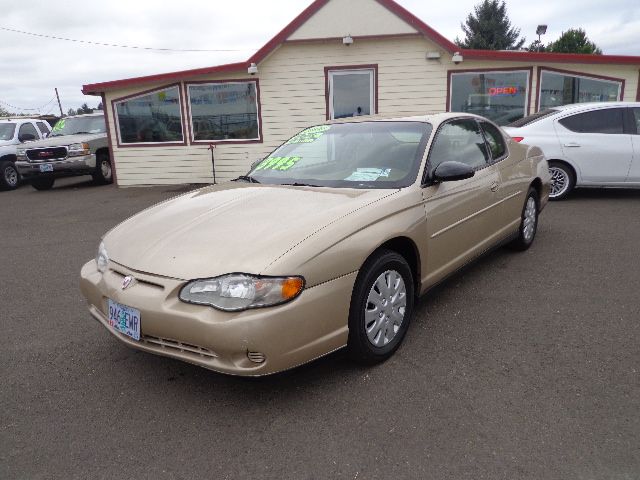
<point>236,227</point>
<point>4,143</point>
<point>63,140</point>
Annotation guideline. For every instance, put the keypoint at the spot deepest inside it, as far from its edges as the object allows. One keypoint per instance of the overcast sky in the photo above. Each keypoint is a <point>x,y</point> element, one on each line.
<point>30,67</point>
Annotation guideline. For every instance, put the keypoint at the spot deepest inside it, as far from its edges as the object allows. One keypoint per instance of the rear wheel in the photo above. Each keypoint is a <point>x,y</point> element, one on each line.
<point>529,223</point>
<point>381,307</point>
<point>43,183</point>
<point>9,176</point>
<point>103,173</point>
<point>562,180</point>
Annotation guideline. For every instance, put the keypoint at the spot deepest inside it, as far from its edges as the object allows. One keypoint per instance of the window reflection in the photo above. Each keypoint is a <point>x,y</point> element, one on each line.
<point>352,93</point>
<point>559,89</point>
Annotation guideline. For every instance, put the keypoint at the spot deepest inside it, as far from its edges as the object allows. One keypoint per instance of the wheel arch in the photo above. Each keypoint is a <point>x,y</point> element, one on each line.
<point>103,150</point>
<point>10,157</point>
<point>408,249</point>
<point>574,169</point>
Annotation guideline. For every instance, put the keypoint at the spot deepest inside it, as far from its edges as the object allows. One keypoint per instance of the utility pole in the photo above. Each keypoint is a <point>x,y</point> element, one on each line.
<point>59,104</point>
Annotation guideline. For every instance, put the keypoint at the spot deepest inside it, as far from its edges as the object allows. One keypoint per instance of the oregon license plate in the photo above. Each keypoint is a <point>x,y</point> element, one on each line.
<point>124,319</point>
<point>46,167</point>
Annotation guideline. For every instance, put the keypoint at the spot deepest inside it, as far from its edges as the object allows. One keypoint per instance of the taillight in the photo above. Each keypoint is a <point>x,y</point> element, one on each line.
<point>517,139</point>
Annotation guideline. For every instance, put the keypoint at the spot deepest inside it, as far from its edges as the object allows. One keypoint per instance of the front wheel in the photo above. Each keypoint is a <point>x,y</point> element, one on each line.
<point>562,180</point>
<point>529,222</point>
<point>381,307</point>
<point>103,173</point>
<point>9,176</point>
<point>43,183</point>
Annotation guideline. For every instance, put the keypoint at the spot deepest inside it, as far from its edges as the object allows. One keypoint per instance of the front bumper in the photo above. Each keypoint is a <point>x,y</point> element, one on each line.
<point>313,325</point>
<point>83,165</point>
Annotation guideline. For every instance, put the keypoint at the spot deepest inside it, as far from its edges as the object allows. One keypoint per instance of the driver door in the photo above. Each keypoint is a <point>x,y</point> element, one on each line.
<point>461,219</point>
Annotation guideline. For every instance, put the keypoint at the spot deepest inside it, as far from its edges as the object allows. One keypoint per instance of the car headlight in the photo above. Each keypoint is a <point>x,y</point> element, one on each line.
<point>102,259</point>
<point>21,154</point>
<point>239,291</point>
<point>79,149</point>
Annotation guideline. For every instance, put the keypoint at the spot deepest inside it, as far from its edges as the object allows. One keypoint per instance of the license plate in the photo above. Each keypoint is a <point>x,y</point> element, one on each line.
<point>124,319</point>
<point>47,167</point>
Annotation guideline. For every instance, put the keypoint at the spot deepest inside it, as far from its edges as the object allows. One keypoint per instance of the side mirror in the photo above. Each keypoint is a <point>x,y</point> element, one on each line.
<point>452,171</point>
<point>26,137</point>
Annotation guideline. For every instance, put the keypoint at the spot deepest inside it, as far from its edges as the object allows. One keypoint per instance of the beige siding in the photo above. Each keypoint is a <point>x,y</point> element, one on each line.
<point>339,18</point>
<point>292,93</point>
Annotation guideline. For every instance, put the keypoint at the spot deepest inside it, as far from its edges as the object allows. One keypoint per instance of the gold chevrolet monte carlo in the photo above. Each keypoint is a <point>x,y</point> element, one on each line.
<point>326,243</point>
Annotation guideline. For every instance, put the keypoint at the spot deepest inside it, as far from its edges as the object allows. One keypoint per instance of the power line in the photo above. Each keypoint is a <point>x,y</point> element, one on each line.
<point>27,109</point>
<point>120,46</point>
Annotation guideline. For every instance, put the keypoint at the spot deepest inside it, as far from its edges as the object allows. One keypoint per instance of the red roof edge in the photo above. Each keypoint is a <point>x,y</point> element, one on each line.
<point>542,57</point>
<point>391,5</point>
<point>287,31</point>
<point>97,88</point>
<point>419,25</point>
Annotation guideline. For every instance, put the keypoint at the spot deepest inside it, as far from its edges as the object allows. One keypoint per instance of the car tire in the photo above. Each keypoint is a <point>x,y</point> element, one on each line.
<point>381,307</point>
<point>563,180</point>
<point>43,183</point>
<point>529,223</point>
<point>9,176</point>
<point>103,173</point>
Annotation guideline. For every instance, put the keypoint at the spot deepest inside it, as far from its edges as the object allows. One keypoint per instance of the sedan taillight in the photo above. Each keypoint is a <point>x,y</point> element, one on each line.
<point>517,139</point>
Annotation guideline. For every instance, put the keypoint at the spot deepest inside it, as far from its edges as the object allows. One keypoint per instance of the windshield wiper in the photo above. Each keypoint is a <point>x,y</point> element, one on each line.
<point>246,178</point>
<point>296,184</point>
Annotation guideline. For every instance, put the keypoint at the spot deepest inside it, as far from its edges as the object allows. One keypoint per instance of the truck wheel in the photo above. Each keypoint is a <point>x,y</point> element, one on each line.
<point>103,173</point>
<point>43,183</point>
<point>9,176</point>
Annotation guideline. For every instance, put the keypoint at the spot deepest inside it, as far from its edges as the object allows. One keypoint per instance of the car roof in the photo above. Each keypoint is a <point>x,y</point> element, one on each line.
<point>593,105</point>
<point>434,118</point>
<point>20,119</point>
<point>94,114</point>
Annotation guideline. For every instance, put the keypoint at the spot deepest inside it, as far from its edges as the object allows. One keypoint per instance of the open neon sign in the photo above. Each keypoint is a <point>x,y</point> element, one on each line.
<point>498,91</point>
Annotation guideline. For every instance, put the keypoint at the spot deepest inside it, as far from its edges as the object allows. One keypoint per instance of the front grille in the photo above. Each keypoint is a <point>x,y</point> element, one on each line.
<point>256,357</point>
<point>47,154</point>
<point>178,346</point>
<point>120,275</point>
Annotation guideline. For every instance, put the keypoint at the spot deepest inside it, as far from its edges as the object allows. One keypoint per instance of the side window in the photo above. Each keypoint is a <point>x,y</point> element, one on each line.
<point>459,141</point>
<point>27,129</point>
<point>495,140</point>
<point>608,120</point>
<point>636,118</point>
<point>43,128</point>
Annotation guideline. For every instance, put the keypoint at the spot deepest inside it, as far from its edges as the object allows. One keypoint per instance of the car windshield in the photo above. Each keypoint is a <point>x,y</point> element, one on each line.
<point>349,155</point>
<point>532,118</point>
<point>6,131</point>
<point>74,125</point>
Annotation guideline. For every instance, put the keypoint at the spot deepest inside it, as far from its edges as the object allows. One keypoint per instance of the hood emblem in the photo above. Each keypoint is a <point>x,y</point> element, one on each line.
<point>127,282</point>
<point>45,154</point>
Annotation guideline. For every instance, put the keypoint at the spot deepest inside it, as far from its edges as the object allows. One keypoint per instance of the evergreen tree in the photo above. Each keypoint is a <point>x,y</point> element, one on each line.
<point>488,28</point>
<point>574,40</point>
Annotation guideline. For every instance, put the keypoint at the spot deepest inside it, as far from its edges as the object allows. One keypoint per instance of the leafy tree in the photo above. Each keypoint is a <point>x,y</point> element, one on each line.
<point>3,112</point>
<point>71,112</point>
<point>84,108</point>
<point>574,40</point>
<point>488,28</point>
<point>537,46</point>
<point>99,107</point>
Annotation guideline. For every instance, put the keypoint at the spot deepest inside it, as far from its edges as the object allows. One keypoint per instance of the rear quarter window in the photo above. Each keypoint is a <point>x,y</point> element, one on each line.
<point>608,120</point>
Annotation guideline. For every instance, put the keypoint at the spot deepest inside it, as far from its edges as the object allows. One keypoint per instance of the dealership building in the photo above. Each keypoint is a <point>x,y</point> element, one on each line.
<point>338,58</point>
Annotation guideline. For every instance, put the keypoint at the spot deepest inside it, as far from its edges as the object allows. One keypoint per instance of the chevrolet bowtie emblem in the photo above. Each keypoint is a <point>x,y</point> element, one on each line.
<point>127,282</point>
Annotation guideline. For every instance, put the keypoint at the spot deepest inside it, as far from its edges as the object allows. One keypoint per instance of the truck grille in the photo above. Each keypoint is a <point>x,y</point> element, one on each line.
<point>46,154</point>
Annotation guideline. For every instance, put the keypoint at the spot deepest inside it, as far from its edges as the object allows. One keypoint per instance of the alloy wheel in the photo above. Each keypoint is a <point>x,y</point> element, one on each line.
<point>560,181</point>
<point>11,176</point>
<point>530,219</point>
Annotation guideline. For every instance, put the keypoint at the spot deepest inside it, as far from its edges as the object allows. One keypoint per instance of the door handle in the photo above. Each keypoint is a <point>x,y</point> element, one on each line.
<point>494,187</point>
<point>572,145</point>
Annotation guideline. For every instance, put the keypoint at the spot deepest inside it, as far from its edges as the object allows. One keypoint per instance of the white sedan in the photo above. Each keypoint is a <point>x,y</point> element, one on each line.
<point>587,145</point>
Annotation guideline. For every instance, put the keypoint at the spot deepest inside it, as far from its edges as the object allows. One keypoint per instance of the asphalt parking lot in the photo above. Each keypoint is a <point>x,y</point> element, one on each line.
<point>523,366</point>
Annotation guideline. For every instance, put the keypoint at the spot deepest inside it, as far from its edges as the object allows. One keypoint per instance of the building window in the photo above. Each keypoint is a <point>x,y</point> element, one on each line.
<point>502,96</point>
<point>153,117</point>
<point>224,111</point>
<point>562,88</point>
<point>351,92</point>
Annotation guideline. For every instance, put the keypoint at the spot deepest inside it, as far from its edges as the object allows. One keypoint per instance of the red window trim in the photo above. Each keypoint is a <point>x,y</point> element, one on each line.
<point>112,153</point>
<point>373,67</point>
<point>142,94</point>
<point>621,81</point>
<point>229,141</point>
<point>529,71</point>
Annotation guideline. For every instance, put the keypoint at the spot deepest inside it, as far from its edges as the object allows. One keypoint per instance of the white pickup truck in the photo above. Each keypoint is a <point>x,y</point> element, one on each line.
<point>13,132</point>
